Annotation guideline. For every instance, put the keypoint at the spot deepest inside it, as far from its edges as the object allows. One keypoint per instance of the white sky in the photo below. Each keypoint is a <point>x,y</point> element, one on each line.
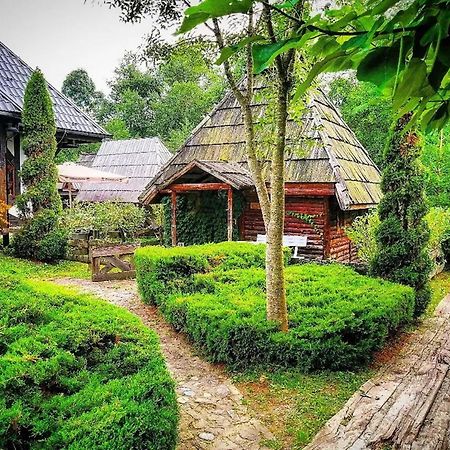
<point>62,35</point>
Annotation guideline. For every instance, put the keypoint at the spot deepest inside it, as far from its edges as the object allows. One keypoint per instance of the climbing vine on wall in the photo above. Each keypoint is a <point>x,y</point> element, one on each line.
<point>306,218</point>
<point>202,217</point>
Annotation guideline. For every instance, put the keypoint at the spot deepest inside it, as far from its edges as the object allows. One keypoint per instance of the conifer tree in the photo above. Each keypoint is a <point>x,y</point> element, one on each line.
<point>40,205</point>
<point>403,233</point>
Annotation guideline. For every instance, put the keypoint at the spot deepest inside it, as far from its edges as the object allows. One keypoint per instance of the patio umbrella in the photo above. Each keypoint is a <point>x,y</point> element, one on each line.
<point>69,173</point>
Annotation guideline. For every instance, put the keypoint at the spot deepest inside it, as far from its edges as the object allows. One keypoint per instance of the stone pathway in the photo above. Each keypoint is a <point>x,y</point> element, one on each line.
<point>407,405</point>
<point>212,413</point>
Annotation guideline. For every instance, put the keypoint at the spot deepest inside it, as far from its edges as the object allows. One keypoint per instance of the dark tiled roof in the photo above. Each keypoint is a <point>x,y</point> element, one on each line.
<point>319,149</point>
<point>138,159</point>
<point>14,75</point>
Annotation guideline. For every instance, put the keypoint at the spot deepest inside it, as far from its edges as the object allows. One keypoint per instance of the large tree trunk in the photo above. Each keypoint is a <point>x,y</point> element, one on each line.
<point>254,164</point>
<point>275,284</point>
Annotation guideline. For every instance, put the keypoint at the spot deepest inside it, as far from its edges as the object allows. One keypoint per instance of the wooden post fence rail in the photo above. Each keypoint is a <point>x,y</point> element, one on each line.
<point>114,262</point>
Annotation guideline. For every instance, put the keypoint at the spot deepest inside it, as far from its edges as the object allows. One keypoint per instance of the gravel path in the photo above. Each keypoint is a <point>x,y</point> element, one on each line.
<point>212,413</point>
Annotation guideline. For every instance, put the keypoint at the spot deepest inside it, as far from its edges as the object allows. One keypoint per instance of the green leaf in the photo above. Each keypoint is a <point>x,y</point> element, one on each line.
<point>316,69</point>
<point>209,9</point>
<point>380,65</point>
<point>413,80</point>
<point>376,7</point>
<point>265,54</point>
<point>229,51</point>
<point>435,119</point>
<point>437,74</point>
<point>289,4</point>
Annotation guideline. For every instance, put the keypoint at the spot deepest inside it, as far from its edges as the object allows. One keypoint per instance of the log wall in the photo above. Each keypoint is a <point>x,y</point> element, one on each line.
<point>341,247</point>
<point>326,239</point>
<point>251,223</point>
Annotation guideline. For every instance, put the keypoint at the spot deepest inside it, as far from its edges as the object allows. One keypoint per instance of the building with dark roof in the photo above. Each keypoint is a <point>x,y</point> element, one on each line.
<point>139,160</point>
<point>73,125</point>
<point>329,175</point>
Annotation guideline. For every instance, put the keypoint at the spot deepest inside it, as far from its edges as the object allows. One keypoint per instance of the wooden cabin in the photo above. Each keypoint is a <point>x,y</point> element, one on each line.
<point>74,126</point>
<point>137,159</point>
<point>330,178</point>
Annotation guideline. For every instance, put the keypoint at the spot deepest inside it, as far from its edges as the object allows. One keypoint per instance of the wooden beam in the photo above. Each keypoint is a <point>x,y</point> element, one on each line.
<point>17,164</point>
<point>309,189</point>
<point>174,218</point>
<point>3,187</point>
<point>189,187</point>
<point>230,214</point>
<point>327,229</point>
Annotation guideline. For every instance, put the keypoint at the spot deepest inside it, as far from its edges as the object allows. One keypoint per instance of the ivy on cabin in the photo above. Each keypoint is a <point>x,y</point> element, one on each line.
<point>306,218</point>
<point>202,217</point>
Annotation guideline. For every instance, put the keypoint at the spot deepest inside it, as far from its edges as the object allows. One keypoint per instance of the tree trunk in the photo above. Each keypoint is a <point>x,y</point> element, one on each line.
<point>275,284</point>
<point>254,165</point>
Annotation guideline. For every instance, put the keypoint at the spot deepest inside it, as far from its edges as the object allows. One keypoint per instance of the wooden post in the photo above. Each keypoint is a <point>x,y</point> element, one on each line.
<point>174,218</point>
<point>230,214</point>
<point>69,186</point>
<point>327,229</point>
<point>17,163</point>
<point>3,187</point>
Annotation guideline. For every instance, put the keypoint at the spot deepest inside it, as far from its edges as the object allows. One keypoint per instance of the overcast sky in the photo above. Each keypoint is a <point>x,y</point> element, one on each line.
<point>61,35</point>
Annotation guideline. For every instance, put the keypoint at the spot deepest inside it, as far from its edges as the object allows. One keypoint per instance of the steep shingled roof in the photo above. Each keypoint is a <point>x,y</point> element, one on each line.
<point>138,159</point>
<point>322,149</point>
<point>14,76</point>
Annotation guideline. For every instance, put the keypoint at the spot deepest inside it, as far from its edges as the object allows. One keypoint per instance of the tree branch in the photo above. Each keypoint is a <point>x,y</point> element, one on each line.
<point>269,25</point>
<point>226,65</point>
<point>302,23</point>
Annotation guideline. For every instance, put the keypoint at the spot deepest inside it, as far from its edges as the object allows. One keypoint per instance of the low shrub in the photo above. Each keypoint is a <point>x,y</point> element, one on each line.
<point>41,239</point>
<point>76,372</point>
<point>362,233</point>
<point>162,271</point>
<point>104,218</point>
<point>337,317</point>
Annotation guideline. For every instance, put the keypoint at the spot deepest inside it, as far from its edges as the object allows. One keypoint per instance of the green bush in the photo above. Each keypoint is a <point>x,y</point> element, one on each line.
<point>76,372</point>
<point>363,229</point>
<point>337,317</point>
<point>403,234</point>
<point>162,271</point>
<point>40,204</point>
<point>51,244</point>
<point>105,217</point>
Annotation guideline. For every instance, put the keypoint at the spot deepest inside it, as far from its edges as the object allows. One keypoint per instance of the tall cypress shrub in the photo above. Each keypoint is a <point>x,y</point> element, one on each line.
<point>40,205</point>
<point>403,233</point>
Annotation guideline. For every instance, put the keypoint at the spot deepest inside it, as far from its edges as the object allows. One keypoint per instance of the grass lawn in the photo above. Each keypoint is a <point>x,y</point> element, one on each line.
<point>440,286</point>
<point>43,271</point>
<point>295,405</point>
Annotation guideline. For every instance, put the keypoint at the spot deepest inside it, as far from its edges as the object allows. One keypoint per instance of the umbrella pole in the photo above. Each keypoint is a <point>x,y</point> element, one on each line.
<point>70,195</point>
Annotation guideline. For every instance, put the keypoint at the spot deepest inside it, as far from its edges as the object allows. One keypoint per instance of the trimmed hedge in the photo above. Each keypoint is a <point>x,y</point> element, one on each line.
<point>337,317</point>
<point>78,373</point>
<point>162,271</point>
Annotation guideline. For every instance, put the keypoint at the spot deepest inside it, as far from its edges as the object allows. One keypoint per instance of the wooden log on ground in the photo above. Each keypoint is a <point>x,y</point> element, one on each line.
<point>407,405</point>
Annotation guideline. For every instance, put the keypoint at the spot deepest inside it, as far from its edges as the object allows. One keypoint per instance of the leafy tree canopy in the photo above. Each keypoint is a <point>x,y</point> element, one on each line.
<point>79,86</point>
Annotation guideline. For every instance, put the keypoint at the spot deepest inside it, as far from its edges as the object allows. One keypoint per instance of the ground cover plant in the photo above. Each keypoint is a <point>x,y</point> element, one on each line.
<point>76,372</point>
<point>337,317</point>
<point>43,271</point>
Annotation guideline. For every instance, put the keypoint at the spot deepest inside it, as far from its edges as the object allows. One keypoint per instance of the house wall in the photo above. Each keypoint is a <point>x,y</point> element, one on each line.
<point>326,239</point>
<point>3,150</point>
<point>341,247</point>
<point>251,223</point>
